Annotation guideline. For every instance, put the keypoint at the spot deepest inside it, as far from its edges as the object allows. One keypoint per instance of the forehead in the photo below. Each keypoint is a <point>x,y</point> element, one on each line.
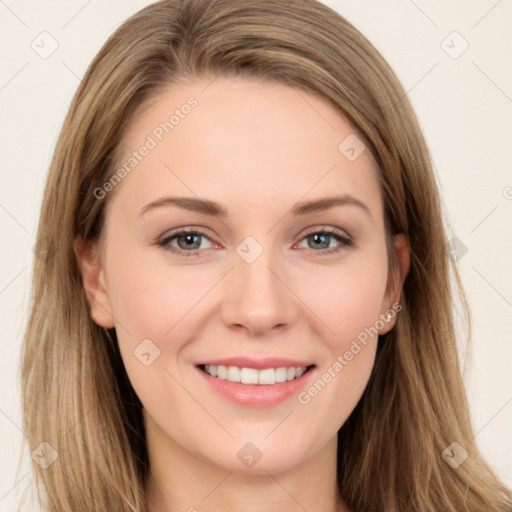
<point>244,141</point>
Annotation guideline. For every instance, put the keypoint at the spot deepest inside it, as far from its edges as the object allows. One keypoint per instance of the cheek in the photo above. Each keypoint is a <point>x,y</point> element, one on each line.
<point>150,300</point>
<point>150,305</point>
<point>350,306</point>
<point>349,303</point>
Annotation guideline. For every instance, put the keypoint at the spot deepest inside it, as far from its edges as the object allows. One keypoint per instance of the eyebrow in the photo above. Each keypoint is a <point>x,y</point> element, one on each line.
<point>214,209</point>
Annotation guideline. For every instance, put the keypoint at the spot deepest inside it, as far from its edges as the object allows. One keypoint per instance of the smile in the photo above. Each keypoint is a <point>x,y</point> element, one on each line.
<point>253,376</point>
<point>256,383</point>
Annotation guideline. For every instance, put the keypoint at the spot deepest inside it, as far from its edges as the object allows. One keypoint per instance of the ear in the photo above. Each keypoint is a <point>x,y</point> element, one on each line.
<point>93,280</point>
<point>398,273</point>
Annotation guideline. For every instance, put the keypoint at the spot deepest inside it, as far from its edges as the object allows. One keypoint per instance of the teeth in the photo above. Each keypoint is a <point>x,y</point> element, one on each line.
<point>233,374</point>
<point>248,376</point>
<point>222,372</point>
<point>267,376</point>
<point>280,374</point>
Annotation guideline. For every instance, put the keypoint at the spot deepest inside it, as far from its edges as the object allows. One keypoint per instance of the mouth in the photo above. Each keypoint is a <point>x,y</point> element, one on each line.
<point>256,383</point>
<point>254,376</point>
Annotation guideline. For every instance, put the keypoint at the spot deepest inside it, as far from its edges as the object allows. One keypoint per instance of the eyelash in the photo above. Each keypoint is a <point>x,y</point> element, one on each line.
<point>340,237</point>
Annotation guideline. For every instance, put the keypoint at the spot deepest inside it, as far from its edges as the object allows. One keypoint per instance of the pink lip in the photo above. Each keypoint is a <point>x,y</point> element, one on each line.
<point>257,395</point>
<point>259,364</point>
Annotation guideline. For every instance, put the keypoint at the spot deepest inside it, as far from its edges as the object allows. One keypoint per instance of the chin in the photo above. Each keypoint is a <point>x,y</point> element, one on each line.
<point>258,457</point>
<point>274,463</point>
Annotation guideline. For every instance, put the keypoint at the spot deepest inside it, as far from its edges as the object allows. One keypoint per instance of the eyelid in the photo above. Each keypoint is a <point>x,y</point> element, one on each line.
<point>326,229</point>
<point>184,230</point>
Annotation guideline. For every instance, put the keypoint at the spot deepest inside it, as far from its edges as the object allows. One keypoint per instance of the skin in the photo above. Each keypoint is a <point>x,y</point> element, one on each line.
<point>257,148</point>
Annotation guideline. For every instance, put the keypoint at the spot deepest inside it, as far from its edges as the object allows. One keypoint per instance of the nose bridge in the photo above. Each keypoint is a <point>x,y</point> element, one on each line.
<point>256,296</point>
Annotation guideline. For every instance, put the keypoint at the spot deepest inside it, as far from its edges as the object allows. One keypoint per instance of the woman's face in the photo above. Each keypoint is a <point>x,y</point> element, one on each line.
<point>277,278</point>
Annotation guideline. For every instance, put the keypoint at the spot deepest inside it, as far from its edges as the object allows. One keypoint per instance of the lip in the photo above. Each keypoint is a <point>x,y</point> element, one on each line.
<point>258,364</point>
<point>252,395</point>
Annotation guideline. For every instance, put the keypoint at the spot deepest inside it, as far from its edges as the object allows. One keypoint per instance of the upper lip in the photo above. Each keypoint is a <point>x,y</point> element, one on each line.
<point>259,364</point>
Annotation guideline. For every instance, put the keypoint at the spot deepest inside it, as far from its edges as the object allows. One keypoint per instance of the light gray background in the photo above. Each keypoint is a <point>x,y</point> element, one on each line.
<point>465,108</point>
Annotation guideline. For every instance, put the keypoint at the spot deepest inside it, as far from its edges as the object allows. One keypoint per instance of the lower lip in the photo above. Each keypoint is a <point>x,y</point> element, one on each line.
<point>263,395</point>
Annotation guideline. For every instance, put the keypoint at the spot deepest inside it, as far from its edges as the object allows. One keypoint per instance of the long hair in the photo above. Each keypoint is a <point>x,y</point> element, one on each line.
<point>77,397</point>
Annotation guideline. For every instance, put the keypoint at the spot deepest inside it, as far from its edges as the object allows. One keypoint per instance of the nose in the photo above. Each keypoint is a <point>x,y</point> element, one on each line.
<point>257,297</point>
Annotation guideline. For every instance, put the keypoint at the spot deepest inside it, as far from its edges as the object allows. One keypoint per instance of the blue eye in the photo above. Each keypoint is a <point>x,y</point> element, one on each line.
<point>324,236</point>
<point>189,241</point>
<point>186,240</point>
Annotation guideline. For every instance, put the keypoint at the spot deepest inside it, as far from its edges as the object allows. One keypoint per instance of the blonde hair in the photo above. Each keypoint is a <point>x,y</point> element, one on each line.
<point>76,394</point>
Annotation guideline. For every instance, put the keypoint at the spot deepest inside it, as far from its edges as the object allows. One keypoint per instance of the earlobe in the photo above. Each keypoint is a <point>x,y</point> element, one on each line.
<point>93,280</point>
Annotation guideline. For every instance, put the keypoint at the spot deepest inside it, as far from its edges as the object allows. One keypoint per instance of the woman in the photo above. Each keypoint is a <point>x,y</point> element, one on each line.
<point>201,351</point>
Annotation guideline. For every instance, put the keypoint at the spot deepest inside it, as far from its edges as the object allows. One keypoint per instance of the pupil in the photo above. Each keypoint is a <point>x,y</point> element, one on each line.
<point>318,236</point>
<point>189,239</point>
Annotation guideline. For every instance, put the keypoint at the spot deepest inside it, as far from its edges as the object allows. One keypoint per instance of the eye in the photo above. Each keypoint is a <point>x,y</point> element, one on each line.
<point>189,242</point>
<point>186,239</point>
<point>321,238</point>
